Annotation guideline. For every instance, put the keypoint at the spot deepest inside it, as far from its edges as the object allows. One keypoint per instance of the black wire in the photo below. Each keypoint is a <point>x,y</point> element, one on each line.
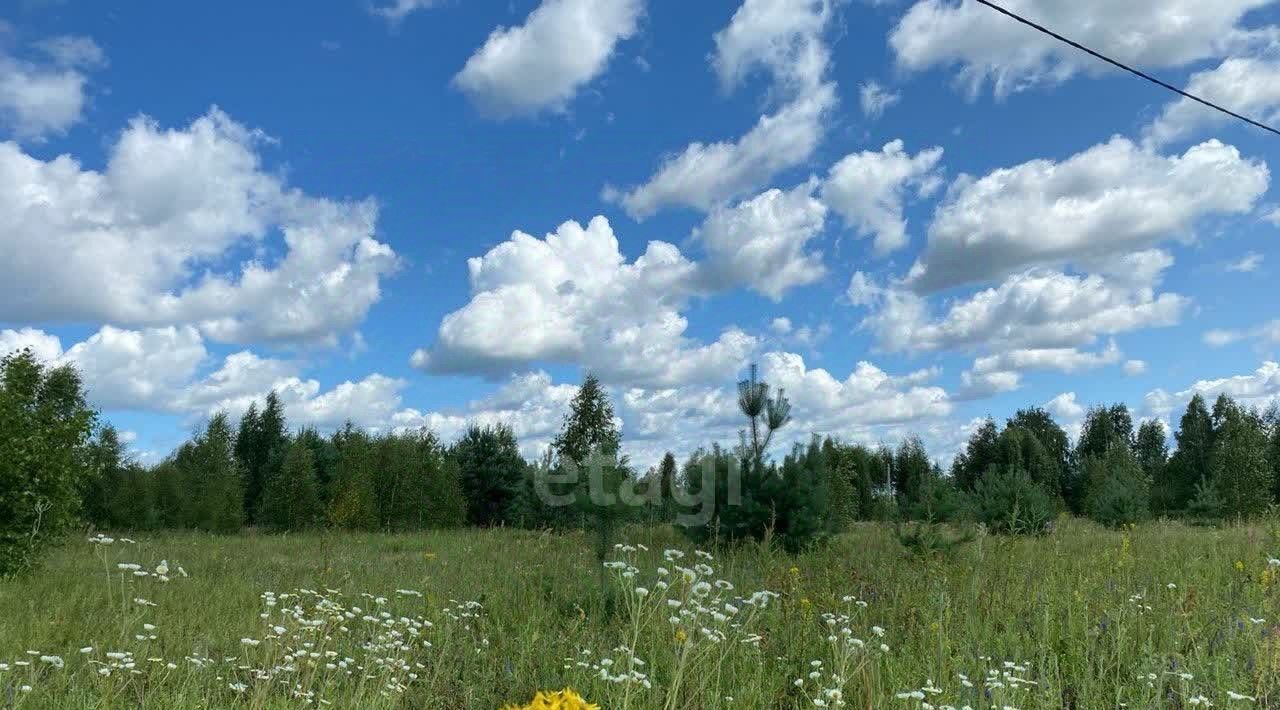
<point>1125,67</point>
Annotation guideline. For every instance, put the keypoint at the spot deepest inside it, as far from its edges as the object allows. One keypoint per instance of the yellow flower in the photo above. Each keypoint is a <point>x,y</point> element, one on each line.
<point>795,571</point>
<point>429,555</point>
<point>1239,565</point>
<point>555,700</point>
<point>681,636</point>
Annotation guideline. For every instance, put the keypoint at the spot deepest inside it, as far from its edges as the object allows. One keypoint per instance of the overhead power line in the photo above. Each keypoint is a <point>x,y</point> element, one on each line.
<point>1125,67</point>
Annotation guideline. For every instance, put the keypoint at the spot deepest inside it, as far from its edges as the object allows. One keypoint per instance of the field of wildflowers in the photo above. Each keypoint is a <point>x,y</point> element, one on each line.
<point>1160,616</point>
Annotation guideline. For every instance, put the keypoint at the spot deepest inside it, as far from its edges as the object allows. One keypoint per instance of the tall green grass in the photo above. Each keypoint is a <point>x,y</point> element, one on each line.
<point>1083,618</point>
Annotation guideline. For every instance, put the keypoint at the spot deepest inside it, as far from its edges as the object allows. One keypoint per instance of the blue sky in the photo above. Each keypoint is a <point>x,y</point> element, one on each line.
<point>912,214</point>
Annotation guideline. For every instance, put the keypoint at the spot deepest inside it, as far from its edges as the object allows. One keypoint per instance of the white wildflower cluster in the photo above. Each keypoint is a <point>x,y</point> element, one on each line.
<point>1003,684</point>
<point>1139,602</point>
<point>310,642</point>
<point>688,606</point>
<point>622,667</point>
<point>1181,684</point>
<point>850,652</point>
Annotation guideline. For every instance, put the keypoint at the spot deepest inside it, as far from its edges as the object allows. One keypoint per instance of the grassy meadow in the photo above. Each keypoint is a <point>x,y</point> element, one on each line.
<point>1162,615</point>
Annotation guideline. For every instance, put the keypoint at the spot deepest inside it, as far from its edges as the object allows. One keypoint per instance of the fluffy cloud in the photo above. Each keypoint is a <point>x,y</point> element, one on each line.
<point>1259,389</point>
<point>542,64</point>
<point>988,46</point>
<point>43,98</point>
<point>783,38</point>
<point>761,242</point>
<point>706,174</point>
<point>141,243</point>
<point>166,370</point>
<point>1065,406</point>
<point>530,403</point>
<point>875,99</point>
<point>44,346</point>
<point>867,189</point>
<point>1245,85</point>
<point>1112,198</point>
<point>572,297</point>
<point>1002,372</point>
<point>780,37</point>
<point>1034,309</point>
<point>868,396</point>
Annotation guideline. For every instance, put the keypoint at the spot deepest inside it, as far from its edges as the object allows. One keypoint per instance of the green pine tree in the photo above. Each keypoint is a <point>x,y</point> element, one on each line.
<point>492,470</point>
<point>1190,463</point>
<point>214,479</point>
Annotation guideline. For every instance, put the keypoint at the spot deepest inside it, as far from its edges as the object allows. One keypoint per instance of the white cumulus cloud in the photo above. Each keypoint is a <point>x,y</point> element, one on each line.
<point>987,46</point>
<point>46,96</point>
<point>541,65</point>
<point>1111,199</point>
<point>868,189</point>
<point>143,242</point>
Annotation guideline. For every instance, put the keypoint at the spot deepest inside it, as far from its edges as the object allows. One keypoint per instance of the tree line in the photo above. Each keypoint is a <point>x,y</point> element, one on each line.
<point>60,468</point>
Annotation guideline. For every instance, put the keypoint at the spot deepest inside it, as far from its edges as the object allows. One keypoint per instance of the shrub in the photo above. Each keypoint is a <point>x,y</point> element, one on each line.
<point>1206,505</point>
<point>932,539</point>
<point>1119,501</point>
<point>941,502</point>
<point>1008,501</point>
<point>786,503</point>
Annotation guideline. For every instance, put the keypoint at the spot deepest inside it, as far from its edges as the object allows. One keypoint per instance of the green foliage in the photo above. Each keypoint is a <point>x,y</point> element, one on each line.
<point>291,500</point>
<point>44,432</point>
<point>1021,449</point>
<point>530,508</point>
<point>324,454</point>
<point>765,415</point>
<point>1104,428</point>
<point>354,505</point>
<point>1190,463</point>
<point>589,425</point>
<point>446,504</point>
<point>1120,500</point>
<point>1273,449</point>
<point>213,479</point>
<point>260,445</point>
<point>491,471</point>
<point>1206,505</point>
<point>1239,466</point>
<point>758,502</point>
<point>979,455</point>
<point>1152,453</point>
<point>942,501</point>
<point>1008,501</point>
<point>932,539</point>
<point>842,493</point>
<point>103,478</point>
<point>1052,437</point>
<point>913,472</point>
